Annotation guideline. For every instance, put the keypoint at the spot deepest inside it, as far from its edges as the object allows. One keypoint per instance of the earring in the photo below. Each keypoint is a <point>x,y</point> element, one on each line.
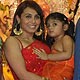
<point>39,32</point>
<point>18,30</point>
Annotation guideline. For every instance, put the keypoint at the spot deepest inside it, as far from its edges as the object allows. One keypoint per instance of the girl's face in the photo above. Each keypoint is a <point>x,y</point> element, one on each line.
<point>30,20</point>
<point>55,28</point>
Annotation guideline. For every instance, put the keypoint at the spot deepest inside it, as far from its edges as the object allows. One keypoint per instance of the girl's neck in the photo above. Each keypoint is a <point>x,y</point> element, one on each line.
<point>59,37</point>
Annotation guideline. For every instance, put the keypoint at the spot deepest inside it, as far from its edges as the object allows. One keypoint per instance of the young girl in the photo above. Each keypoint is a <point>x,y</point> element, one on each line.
<point>60,63</point>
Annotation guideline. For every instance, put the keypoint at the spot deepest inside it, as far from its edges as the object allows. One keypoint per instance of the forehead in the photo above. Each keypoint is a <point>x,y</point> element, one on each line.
<point>53,20</point>
<point>29,10</point>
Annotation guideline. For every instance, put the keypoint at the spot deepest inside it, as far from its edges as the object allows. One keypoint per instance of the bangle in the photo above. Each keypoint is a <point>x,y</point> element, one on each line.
<point>43,78</point>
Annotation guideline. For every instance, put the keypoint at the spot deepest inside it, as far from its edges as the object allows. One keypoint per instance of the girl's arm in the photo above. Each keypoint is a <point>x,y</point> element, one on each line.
<point>68,46</point>
<point>67,52</point>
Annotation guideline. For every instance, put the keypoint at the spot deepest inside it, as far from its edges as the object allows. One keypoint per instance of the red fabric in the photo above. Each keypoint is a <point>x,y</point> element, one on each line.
<point>58,70</point>
<point>33,64</point>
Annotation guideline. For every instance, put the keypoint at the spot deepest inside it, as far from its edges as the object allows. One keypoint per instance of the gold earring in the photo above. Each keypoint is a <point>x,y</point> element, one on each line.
<point>18,32</point>
<point>39,32</point>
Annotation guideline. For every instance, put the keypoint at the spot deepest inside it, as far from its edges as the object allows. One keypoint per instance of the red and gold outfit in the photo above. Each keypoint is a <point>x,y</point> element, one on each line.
<point>33,64</point>
<point>59,70</point>
<point>54,70</point>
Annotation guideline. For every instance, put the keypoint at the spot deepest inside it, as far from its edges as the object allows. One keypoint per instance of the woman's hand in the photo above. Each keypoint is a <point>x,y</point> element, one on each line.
<point>41,53</point>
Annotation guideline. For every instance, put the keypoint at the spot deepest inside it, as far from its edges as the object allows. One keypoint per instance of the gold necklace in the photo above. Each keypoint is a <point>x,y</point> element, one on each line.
<point>27,40</point>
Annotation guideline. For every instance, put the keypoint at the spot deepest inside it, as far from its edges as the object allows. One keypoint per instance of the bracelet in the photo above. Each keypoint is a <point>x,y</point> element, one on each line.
<point>43,78</point>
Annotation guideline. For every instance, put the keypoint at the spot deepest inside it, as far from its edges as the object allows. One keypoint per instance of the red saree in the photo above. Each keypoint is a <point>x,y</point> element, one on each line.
<point>33,64</point>
<point>59,70</point>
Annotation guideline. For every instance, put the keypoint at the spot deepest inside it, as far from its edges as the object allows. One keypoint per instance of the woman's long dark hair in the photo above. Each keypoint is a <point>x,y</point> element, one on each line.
<point>19,11</point>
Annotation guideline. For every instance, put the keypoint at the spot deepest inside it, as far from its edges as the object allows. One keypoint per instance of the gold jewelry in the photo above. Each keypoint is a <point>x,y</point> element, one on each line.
<point>28,40</point>
<point>43,78</point>
<point>18,32</point>
<point>39,33</point>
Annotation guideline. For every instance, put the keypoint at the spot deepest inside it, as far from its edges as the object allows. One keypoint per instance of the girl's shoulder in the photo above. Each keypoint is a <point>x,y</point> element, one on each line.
<point>67,38</point>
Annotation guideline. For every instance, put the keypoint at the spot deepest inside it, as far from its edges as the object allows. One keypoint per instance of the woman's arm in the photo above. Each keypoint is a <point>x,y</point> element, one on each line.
<point>13,54</point>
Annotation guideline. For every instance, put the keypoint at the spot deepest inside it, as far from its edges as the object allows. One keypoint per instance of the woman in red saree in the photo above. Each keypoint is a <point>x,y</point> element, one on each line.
<point>27,30</point>
<point>60,64</point>
<point>32,62</point>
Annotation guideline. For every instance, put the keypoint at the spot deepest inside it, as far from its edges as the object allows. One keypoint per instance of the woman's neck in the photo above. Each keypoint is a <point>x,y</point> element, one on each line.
<point>26,36</point>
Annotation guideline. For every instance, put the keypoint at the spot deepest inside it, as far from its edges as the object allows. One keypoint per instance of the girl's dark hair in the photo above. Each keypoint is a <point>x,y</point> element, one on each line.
<point>19,11</point>
<point>64,19</point>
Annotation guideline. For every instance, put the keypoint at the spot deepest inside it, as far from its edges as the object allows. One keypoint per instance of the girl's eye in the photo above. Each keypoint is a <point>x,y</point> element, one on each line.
<point>37,17</point>
<point>54,24</point>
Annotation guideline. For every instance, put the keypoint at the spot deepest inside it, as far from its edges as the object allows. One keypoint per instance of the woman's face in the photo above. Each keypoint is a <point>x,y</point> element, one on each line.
<point>30,20</point>
<point>55,28</point>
